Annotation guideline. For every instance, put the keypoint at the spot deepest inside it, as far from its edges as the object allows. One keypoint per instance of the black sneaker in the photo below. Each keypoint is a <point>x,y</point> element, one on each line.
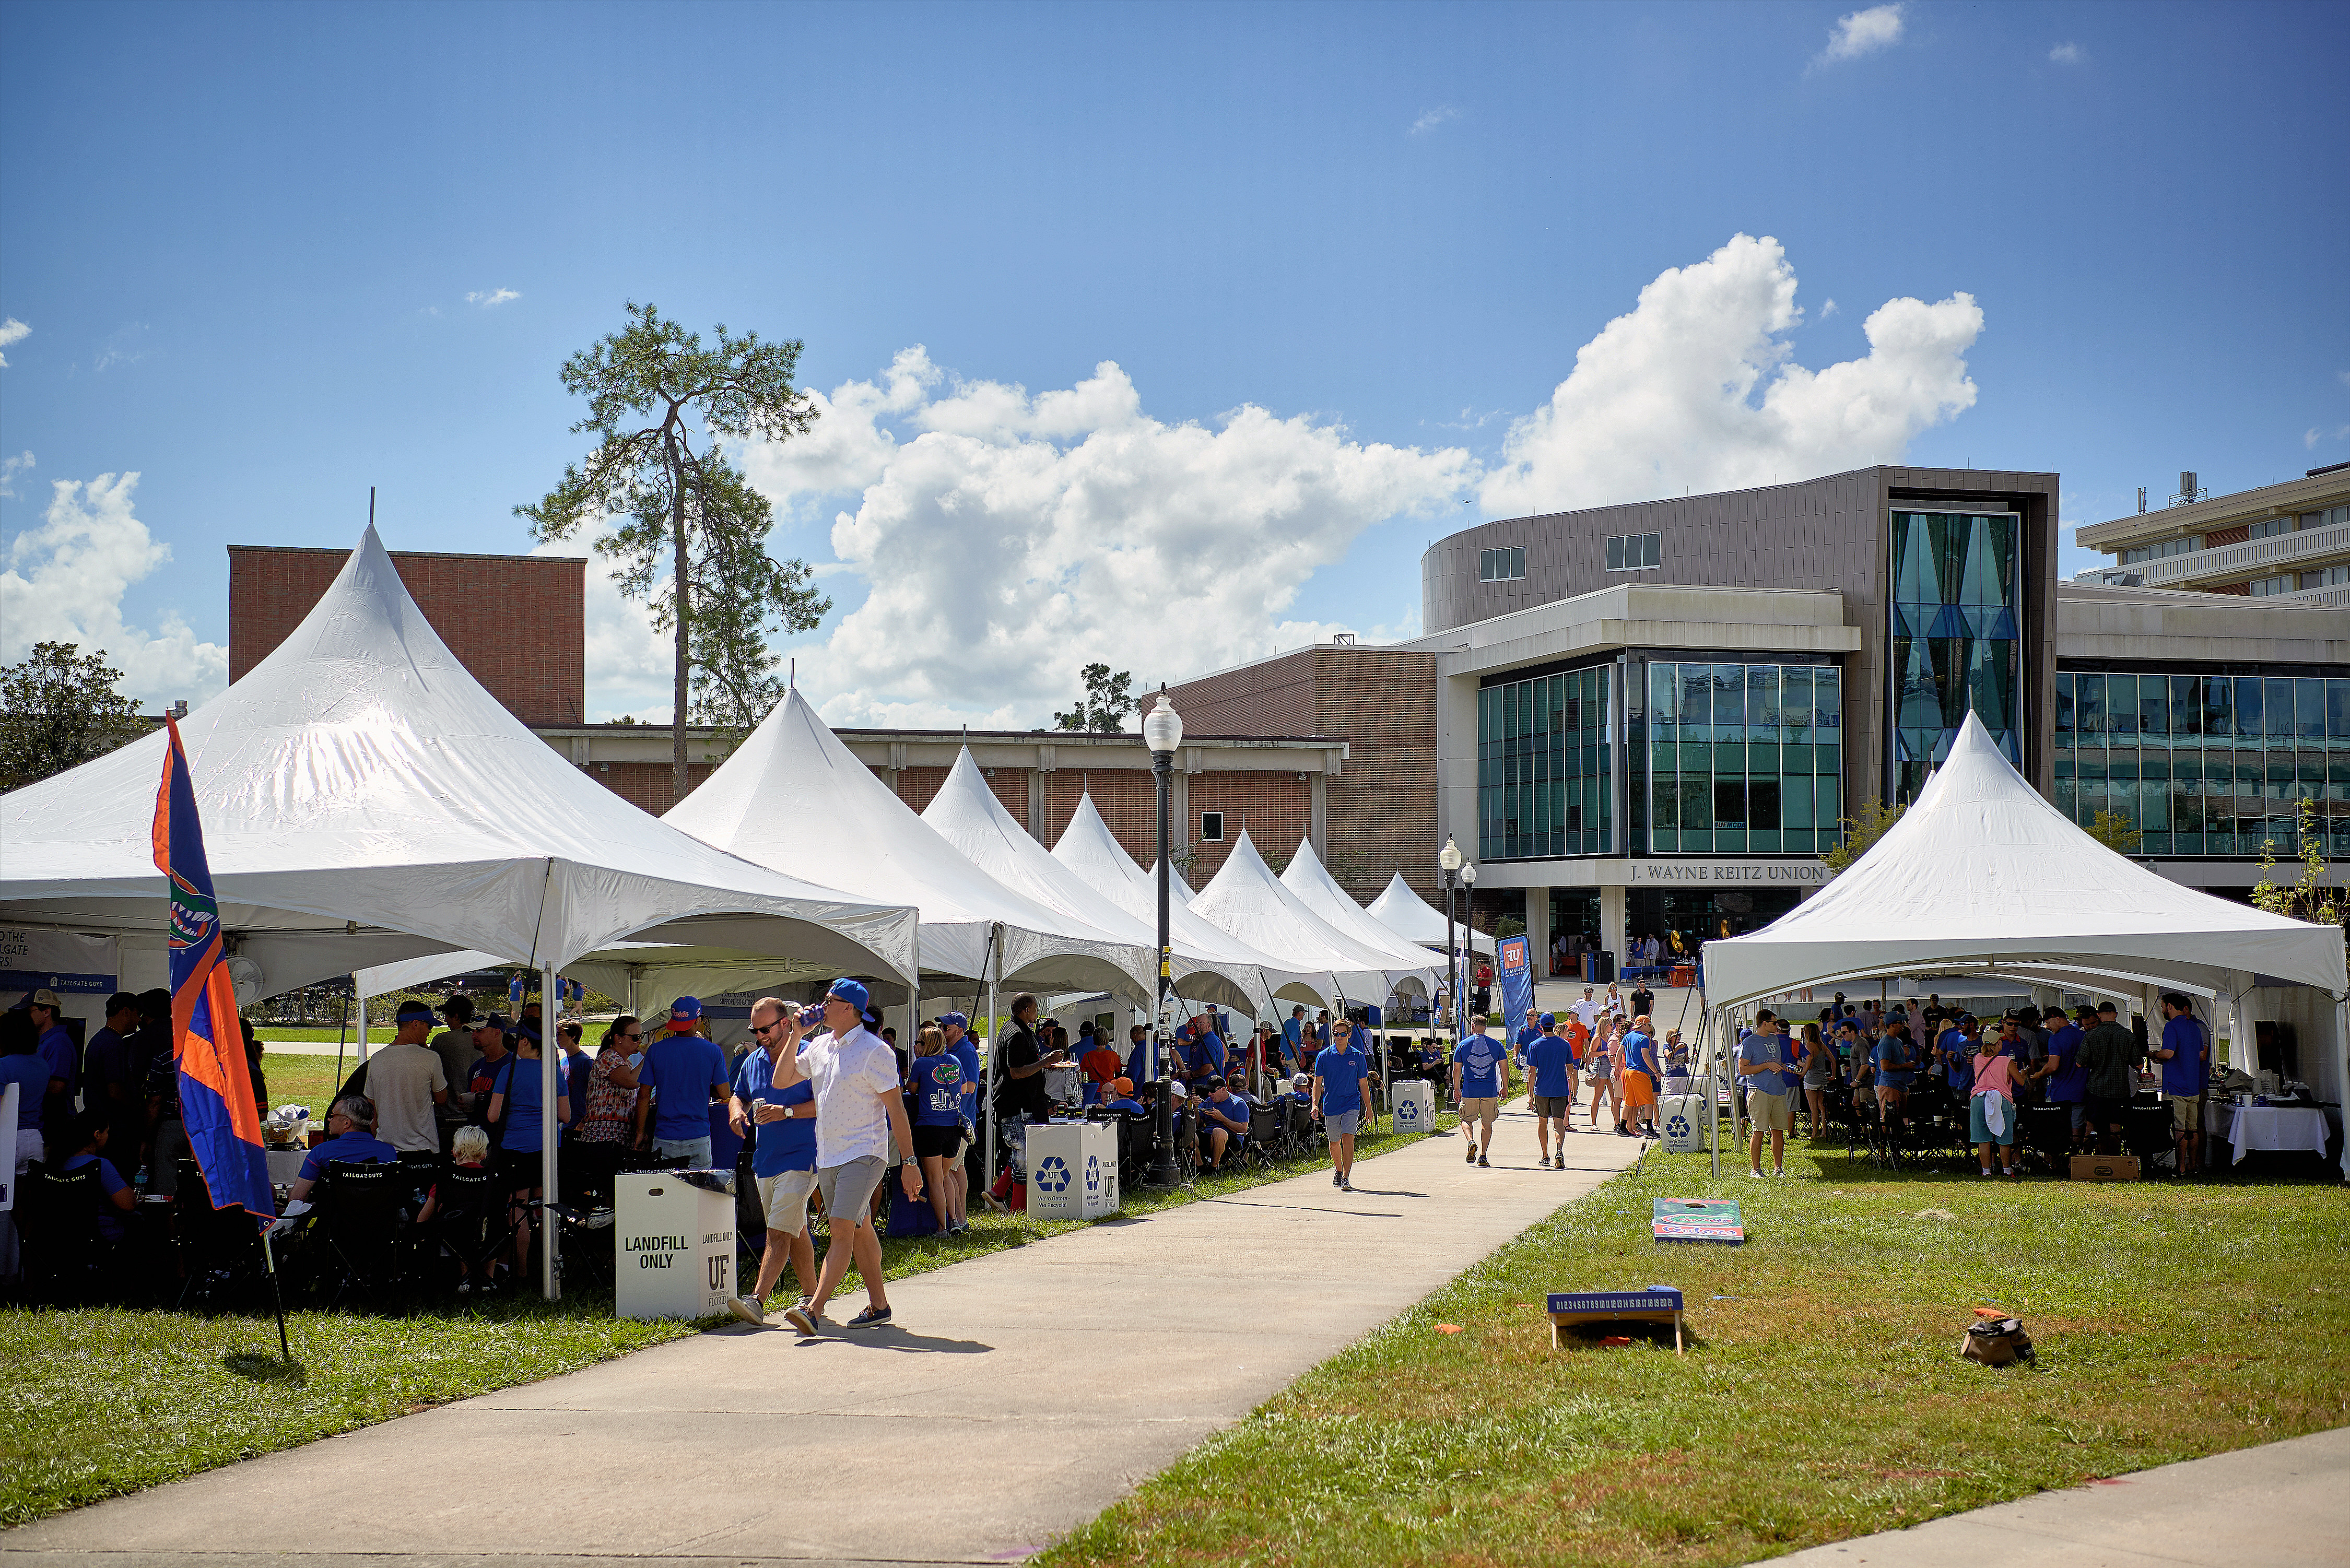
<point>1484,1164</point>
<point>1338,1179</point>
<point>871,1317</point>
<point>1473,1153</point>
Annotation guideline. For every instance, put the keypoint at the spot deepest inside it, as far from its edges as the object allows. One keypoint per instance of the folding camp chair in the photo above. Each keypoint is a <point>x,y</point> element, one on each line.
<point>470,1226</point>
<point>362,1235</point>
<point>220,1264</point>
<point>57,1218</point>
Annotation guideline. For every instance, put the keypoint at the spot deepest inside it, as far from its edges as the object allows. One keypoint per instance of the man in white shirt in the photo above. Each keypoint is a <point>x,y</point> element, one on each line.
<point>1587,1010</point>
<point>858,1110</point>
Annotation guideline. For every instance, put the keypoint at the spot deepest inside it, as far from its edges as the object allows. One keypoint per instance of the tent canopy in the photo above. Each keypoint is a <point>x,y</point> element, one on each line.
<point>1416,920</point>
<point>364,801</point>
<point>1204,953</point>
<point>1248,900</point>
<point>792,795</point>
<point>1306,876</point>
<point>1982,872</point>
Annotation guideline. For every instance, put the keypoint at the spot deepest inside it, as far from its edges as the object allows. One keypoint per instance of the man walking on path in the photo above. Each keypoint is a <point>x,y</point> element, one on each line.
<point>1481,1080</point>
<point>1342,1087</point>
<point>1762,1061</point>
<point>2109,1053</point>
<point>1550,1069</point>
<point>858,1110</point>
<point>1642,1077</point>
<point>773,1097</point>
<point>2184,1055</point>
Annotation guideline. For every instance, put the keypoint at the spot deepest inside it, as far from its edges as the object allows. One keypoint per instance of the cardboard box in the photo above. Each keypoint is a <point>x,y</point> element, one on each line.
<point>2105,1167</point>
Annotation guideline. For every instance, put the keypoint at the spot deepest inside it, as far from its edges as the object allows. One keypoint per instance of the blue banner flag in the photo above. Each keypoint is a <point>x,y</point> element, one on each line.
<point>224,1127</point>
<point>1515,961</point>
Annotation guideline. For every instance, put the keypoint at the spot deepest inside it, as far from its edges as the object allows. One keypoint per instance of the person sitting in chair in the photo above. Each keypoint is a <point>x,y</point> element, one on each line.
<point>350,1136</point>
<point>1224,1118</point>
<point>1118,1096</point>
<point>88,1133</point>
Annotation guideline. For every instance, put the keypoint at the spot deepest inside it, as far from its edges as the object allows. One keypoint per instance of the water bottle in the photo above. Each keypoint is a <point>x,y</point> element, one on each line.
<point>139,1180</point>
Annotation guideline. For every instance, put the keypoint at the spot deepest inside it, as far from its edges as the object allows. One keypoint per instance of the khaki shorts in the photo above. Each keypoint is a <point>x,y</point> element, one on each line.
<point>2186,1112</point>
<point>782,1198</point>
<point>1770,1112</point>
<point>1481,1110</point>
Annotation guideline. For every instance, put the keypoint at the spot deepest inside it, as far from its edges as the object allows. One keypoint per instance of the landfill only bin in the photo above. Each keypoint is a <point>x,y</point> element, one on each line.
<point>673,1243</point>
<point>1682,1118</point>
<point>1414,1104</point>
<point>1072,1170</point>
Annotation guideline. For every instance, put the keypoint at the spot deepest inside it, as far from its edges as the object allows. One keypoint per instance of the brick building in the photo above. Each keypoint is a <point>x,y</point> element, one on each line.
<point>519,623</point>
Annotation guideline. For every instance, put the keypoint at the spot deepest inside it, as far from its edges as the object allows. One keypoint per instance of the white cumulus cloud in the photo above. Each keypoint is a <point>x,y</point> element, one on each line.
<point>12,331</point>
<point>1696,390</point>
<point>10,468</point>
<point>487,297</point>
<point>1009,538</point>
<point>628,662</point>
<point>1862,33</point>
<point>1433,117</point>
<point>65,583</point>
<point>2068,54</point>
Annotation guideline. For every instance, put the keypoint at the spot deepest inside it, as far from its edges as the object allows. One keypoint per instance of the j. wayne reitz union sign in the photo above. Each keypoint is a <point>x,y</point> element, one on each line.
<point>1768,873</point>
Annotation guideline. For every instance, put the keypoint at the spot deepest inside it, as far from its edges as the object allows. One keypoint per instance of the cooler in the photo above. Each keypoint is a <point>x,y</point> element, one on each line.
<point>1413,1100</point>
<point>1681,1120</point>
<point>672,1244</point>
<point>1072,1170</point>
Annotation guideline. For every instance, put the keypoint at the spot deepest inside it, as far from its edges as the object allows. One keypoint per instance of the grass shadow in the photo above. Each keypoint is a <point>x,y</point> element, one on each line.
<point>265,1368</point>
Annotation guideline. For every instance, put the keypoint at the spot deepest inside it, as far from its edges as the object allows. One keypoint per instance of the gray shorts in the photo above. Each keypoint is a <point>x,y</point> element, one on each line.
<point>848,1188</point>
<point>1341,1123</point>
<point>784,1199</point>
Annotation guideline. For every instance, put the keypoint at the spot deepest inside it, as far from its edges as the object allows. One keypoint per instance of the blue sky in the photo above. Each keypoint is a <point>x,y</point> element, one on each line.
<point>260,252</point>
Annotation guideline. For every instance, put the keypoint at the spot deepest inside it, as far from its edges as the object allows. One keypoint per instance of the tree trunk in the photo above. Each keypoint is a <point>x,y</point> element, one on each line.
<point>677,773</point>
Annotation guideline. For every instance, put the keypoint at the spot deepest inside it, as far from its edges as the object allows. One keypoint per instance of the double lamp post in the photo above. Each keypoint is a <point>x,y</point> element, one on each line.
<point>1162,732</point>
<point>1456,865</point>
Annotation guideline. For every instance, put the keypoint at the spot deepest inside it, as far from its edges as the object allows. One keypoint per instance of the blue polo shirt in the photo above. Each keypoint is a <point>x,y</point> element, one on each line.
<point>1293,1036</point>
<point>1525,1038</point>
<point>1952,1044</point>
<point>777,1147</point>
<point>30,1073</point>
<point>1892,1059</point>
<point>1205,1052</point>
<point>681,1070</point>
<point>1230,1106</point>
<point>2069,1083</point>
<point>521,1082</point>
<point>109,1181</point>
<point>354,1147</point>
<point>2183,1074</point>
<point>1342,1072</point>
<point>1551,1063</point>
<point>1478,1059</point>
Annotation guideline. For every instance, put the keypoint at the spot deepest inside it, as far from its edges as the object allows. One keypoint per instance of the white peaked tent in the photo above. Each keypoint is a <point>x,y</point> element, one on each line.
<point>792,795</point>
<point>1416,920</point>
<point>967,816</point>
<point>1246,899</point>
<point>1306,876</point>
<point>1204,954</point>
<point>364,801</point>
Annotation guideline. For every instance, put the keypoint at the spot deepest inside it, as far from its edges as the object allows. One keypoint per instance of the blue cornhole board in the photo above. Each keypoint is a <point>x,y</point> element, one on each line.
<point>1585,1309</point>
<point>1698,1219</point>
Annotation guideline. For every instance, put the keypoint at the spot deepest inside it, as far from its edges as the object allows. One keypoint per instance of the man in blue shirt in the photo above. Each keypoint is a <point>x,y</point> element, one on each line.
<point>1767,1067</point>
<point>1142,1062</point>
<point>2186,1056</point>
<point>1896,1063</point>
<point>1224,1118</point>
<point>1292,1040</point>
<point>2068,1077</point>
<point>1342,1087</point>
<point>56,1048</point>
<point>108,1082</point>
<point>1533,1030</point>
<point>1550,1069</point>
<point>681,1070</point>
<point>350,1136</point>
<point>1643,1078</point>
<point>1204,1052</point>
<point>1481,1081</point>
<point>775,1103</point>
<point>1955,1046</point>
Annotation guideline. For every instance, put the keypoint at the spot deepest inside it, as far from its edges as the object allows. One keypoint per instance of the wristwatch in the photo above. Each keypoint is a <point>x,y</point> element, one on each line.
<point>909,1159</point>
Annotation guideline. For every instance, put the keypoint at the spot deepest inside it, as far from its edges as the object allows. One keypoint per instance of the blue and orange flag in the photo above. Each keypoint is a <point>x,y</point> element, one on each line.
<point>207,1038</point>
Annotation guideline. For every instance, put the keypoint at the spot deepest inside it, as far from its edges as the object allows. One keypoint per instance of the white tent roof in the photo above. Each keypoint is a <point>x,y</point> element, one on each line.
<point>360,773</point>
<point>792,795</point>
<point>1306,876</point>
<point>1982,872</point>
<point>1093,854</point>
<point>1248,900</point>
<point>1416,920</point>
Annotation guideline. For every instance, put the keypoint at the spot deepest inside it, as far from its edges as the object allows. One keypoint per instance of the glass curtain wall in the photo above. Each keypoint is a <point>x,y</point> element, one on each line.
<point>1739,759</point>
<point>1545,749</point>
<point>2205,764</point>
<point>1956,642</point>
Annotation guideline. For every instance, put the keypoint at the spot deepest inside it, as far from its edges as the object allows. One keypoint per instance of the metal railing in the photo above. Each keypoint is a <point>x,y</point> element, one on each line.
<point>2247,556</point>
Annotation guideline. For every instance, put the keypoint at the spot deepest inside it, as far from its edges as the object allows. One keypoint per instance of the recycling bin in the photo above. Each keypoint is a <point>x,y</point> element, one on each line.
<point>1072,1170</point>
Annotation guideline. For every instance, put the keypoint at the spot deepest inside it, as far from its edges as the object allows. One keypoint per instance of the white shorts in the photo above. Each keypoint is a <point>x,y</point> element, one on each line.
<point>784,1199</point>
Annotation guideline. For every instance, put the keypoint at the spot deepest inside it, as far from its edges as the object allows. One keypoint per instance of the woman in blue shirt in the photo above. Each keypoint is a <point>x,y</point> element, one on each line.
<point>934,1078</point>
<point>515,1106</point>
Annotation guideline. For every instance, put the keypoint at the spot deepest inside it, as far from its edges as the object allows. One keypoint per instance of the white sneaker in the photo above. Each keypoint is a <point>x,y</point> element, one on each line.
<point>1756,1173</point>
<point>746,1309</point>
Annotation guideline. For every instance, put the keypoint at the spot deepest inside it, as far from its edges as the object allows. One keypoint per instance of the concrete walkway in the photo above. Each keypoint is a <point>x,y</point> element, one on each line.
<point>1060,1373</point>
<point>2284,1503</point>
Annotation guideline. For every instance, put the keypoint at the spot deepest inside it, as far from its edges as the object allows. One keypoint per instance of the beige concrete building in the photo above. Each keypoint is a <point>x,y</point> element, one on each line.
<point>2289,541</point>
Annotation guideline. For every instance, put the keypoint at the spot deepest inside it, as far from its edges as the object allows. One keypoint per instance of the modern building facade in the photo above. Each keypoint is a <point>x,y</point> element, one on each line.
<point>2290,540</point>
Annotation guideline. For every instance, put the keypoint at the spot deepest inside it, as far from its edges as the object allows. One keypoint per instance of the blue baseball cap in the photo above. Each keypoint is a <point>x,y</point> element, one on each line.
<point>957,1019</point>
<point>525,1030</point>
<point>1550,1021</point>
<point>684,1013</point>
<point>849,991</point>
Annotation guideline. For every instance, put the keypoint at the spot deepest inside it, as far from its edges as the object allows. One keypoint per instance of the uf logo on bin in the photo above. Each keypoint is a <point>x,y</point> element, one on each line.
<point>1053,1175</point>
<point>1093,1173</point>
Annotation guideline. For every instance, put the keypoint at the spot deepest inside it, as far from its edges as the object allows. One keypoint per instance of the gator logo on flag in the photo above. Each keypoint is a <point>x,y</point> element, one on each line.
<point>194,915</point>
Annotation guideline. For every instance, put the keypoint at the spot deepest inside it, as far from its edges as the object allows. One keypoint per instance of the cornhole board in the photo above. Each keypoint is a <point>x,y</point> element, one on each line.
<point>1572,1308</point>
<point>1698,1219</point>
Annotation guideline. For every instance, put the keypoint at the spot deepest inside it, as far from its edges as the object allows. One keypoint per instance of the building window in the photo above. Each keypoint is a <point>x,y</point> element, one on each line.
<point>2208,763</point>
<point>2328,578</point>
<point>2270,527</point>
<point>1505,565</point>
<point>1546,783</point>
<point>2155,552</point>
<point>1738,759</point>
<point>2326,519</point>
<point>1211,828</point>
<point>1635,551</point>
<point>1956,644</point>
<point>2263,587</point>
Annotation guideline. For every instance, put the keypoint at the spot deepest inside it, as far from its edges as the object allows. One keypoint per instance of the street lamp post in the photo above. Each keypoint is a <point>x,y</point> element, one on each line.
<point>1162,732</point>
<point>1449,858</point>
<point>1468,928</point>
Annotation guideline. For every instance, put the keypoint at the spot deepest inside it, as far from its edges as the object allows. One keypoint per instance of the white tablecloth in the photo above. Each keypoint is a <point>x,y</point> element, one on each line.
<point>286,1164</point>
<point>2292,1128</point>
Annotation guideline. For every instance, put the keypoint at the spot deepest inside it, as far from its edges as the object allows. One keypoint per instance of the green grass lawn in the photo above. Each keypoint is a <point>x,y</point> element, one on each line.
<point>101,1402</point>
<point>1823,1397</point>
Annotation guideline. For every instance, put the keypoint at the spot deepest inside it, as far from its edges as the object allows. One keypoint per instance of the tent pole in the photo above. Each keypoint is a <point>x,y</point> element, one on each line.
<point>363,1027</point>
<point>549,1054</point>
<point>1706,1043</point>
<point>993,967</point>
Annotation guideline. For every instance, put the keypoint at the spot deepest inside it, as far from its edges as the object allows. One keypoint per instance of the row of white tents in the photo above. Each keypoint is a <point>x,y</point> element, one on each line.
<point>370,809</point>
